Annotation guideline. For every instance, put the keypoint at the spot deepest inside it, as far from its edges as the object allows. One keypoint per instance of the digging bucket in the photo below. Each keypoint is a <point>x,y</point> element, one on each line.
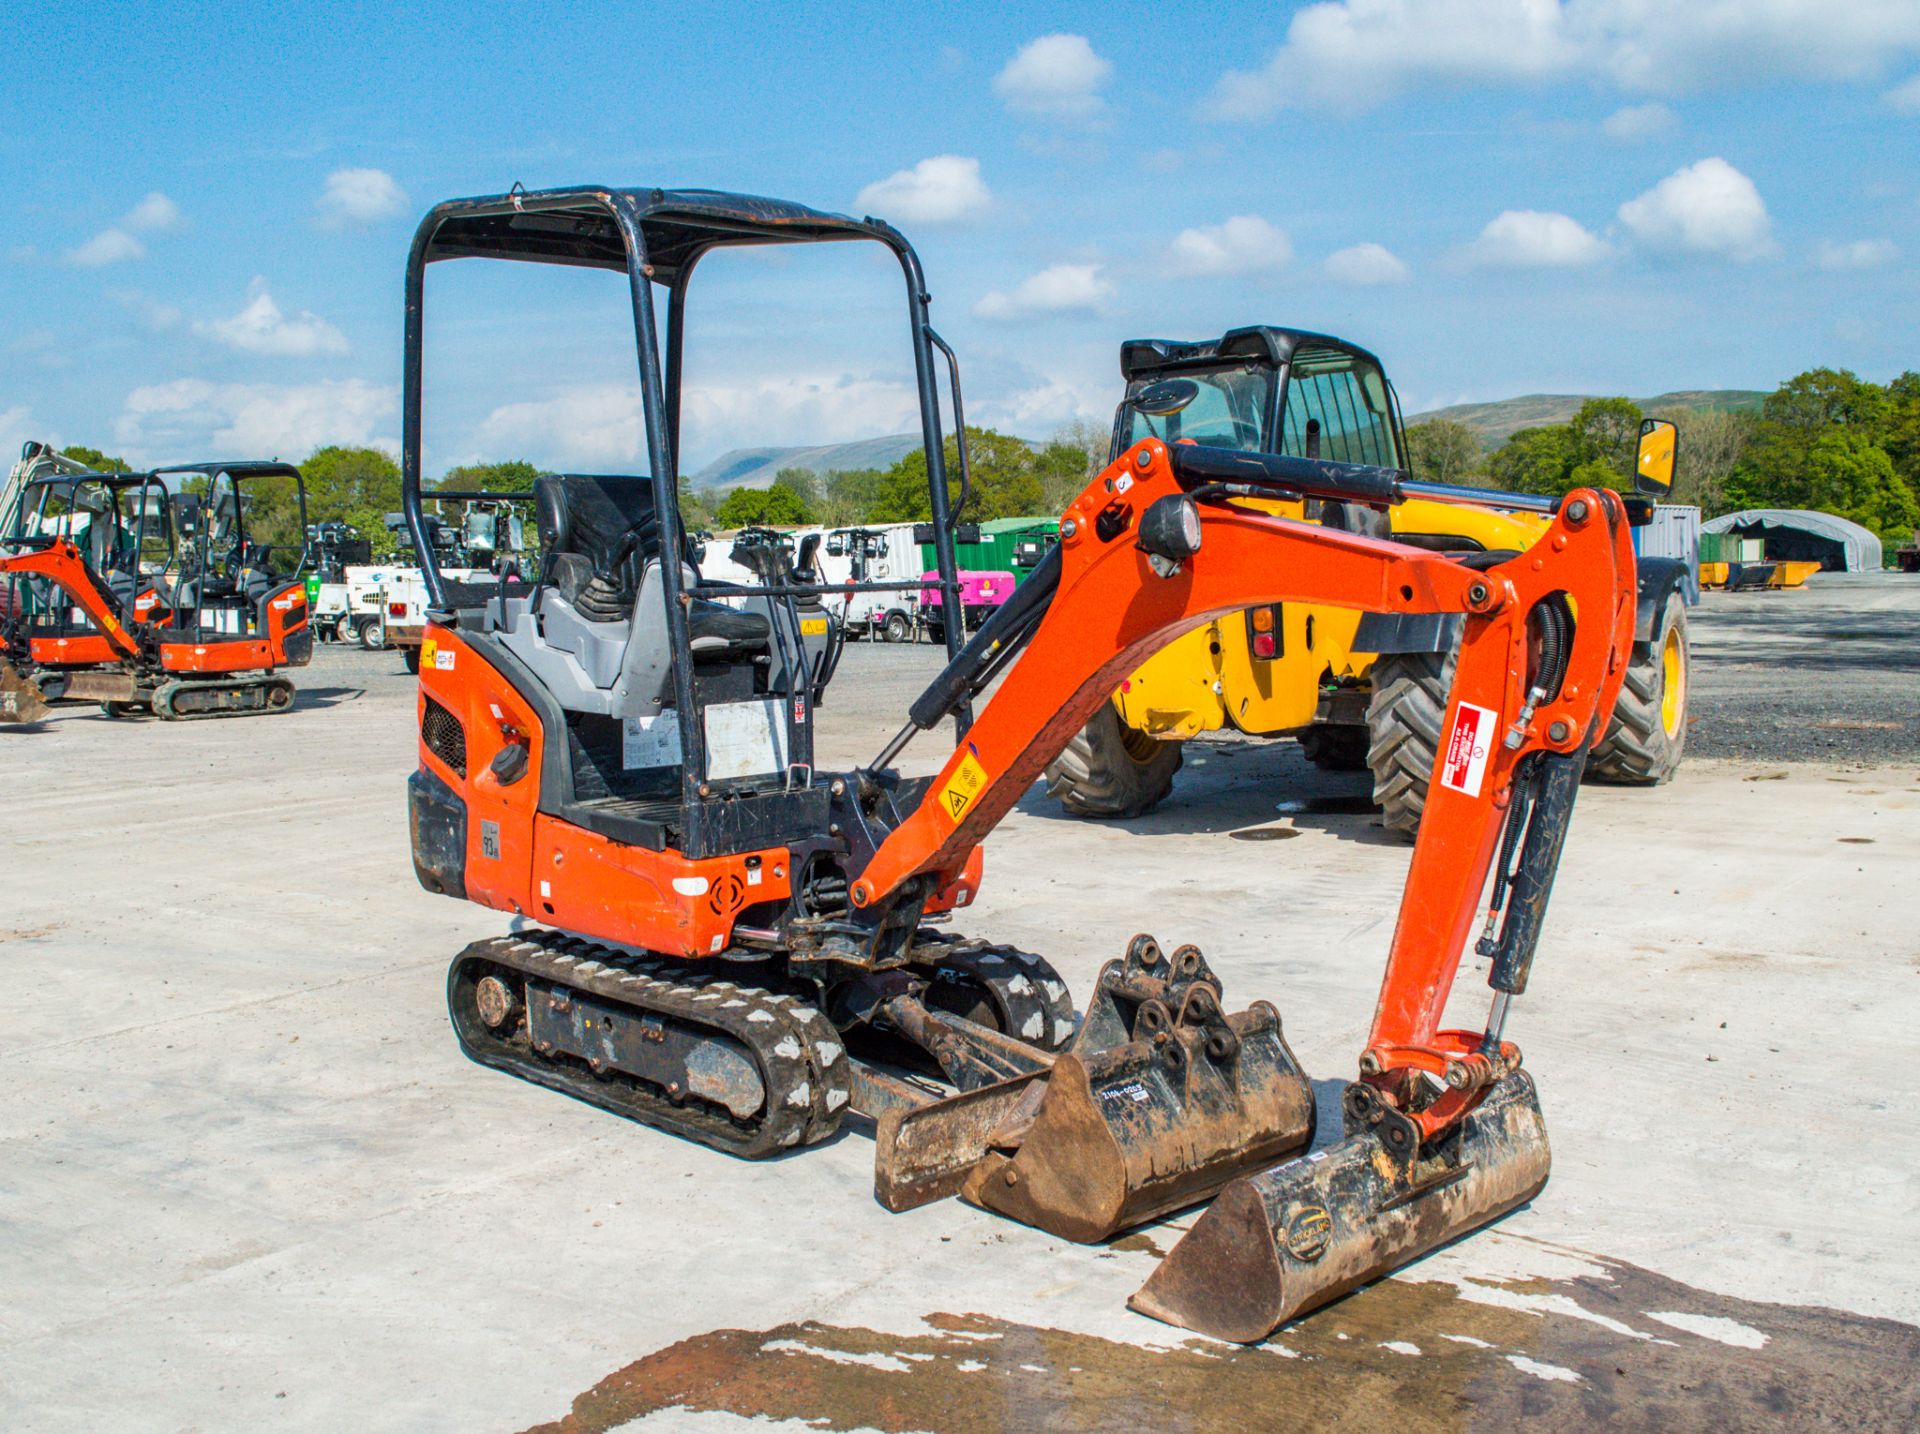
<point>1286,1240</point>
<point>1162,1099</point>
<point>20,699</point>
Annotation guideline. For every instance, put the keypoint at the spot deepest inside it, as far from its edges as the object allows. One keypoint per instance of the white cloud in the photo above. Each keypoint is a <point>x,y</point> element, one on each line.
<point>1634,123</point>
<point>16,426</point>
<point>1859,254</point>
<point>41,347</point>
<point>1906,97</point>
<point>1057,75</point>
<point>1244,244</point>
<point>191,415</point>
<point>944,189</point>
<point>1530,239</point>
<point>1350,54</point>
<point>261,328</point>
<point>152,215</point>
<point>152,315</point>
<point>356,198</point>
<point>1705,208</point>
<point>1060,288</point>
<point>109,246</point>
<point>1364,265</point>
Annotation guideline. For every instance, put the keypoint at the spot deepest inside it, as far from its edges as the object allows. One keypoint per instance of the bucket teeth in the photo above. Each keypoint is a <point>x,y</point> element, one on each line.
<point>1162,1099</point>
<point>1284,1241</point>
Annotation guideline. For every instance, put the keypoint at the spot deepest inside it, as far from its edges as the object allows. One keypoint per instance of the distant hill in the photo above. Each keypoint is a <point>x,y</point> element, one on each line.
<point>755,467</point>
<point>1494,423</point>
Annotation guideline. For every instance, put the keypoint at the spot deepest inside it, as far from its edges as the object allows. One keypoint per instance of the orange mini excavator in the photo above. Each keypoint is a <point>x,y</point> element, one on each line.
<point>736,947</point>
<point>96,622</point>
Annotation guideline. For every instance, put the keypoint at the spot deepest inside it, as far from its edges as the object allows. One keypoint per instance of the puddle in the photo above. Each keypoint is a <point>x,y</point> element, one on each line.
<point>1627,1349</point>
<point>1264,833</point>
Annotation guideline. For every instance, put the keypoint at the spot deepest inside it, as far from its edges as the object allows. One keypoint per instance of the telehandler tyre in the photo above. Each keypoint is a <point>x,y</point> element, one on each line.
<point>1641,747</point>
<point>1110,770</point>
<point>1403,732</point>
<point>1643,743</point>
<point>1336,747</point>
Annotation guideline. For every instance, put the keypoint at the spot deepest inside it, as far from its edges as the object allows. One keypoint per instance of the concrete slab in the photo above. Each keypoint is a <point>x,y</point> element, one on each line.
<point>247,1180</point>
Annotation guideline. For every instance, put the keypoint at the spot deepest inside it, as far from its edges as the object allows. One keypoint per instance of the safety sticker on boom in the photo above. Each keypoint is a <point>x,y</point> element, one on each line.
<point>966,783</point>
<point>1463,766</point>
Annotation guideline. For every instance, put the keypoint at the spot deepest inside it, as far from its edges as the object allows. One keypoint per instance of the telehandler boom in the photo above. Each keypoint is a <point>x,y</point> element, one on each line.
<point>739,948</point>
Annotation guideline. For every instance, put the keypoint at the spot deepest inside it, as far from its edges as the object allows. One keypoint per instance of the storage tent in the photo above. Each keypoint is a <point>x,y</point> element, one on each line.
<point>1801,534</point>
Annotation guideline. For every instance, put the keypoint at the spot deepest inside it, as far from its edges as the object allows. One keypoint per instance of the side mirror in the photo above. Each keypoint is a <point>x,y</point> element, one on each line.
<point>1654,459</point>
<point>1159,400</point>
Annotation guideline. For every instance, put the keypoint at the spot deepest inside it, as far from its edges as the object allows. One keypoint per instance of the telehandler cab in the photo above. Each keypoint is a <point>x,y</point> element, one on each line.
<point>212,644</point>
<point>731,945</point>
<point>1362,692</point>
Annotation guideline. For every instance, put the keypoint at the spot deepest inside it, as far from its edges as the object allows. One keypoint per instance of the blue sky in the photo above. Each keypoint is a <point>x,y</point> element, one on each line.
<point>209,206</point>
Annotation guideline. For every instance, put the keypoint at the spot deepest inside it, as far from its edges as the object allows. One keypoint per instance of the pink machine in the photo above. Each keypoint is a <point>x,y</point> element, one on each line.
<point>980,594</point>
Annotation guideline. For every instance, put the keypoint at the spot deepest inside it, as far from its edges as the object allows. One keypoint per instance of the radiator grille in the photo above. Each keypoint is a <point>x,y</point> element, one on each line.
<point>442,733</point>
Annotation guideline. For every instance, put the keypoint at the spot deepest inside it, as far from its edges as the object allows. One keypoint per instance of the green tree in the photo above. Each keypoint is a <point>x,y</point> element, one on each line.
<point>803,482</point>
<point>1007,481</point>
<point>1712,443</point>
<point>778,506</point>
<point>1442,451</point>
<point>354,485</point>
<point>1604,433</point>
<point>1075,453</point>
<point>1776,469</point>
<point>848,497</point>
<point>96,460</point>
<point>514,476</point>
<point>1534,460</point>
<point>1848,474</point>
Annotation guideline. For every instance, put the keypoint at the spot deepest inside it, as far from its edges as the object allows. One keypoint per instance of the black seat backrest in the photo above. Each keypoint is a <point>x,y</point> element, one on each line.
<point>603,523</point>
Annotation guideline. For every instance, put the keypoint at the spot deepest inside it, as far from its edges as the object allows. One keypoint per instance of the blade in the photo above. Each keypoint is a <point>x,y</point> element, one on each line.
<point>1282,1242</point>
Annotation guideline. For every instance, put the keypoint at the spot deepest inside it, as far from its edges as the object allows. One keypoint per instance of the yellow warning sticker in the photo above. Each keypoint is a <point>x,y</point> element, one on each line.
<point>969,779</point>
<point>813,627</point>
<point>427,650</point>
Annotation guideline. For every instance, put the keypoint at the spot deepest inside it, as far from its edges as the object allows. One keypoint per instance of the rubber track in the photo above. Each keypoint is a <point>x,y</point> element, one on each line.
<point>1095,775</point>
<point>802,1061</point>
<point>1029,997</point>
<point>167,696</point>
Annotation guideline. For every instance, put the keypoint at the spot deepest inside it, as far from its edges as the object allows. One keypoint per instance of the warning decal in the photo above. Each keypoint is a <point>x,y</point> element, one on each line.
<point>966,783</point>
<point>1463,766</point>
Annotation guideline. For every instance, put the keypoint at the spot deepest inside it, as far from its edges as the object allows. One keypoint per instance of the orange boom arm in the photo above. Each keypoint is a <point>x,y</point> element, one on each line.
<point>1111,603</point>
<point>60,563</point>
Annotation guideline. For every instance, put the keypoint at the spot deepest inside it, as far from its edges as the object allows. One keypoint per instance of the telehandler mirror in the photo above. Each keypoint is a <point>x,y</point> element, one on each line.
<point>1653,461</point>
<point>1158,400</point>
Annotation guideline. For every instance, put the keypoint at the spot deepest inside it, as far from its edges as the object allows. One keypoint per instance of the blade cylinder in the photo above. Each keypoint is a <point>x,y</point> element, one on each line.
<point>1280,1243</point>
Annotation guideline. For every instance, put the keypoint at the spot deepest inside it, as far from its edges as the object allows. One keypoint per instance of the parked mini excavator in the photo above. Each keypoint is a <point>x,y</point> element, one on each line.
<point>207,645</point>
<point>50,649</point>
<point>730,945</point>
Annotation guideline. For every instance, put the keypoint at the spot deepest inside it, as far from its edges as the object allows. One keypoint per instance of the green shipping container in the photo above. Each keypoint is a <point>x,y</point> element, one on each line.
<point>1005,545</point>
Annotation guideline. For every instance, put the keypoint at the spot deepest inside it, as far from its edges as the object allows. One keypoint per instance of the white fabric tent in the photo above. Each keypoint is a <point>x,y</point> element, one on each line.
<point>1840,543</point>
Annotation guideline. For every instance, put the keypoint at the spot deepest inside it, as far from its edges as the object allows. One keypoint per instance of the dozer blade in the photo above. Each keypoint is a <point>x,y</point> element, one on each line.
<point>1160,1101</point>
<point>20,699</point>
<point>1289,1239</point>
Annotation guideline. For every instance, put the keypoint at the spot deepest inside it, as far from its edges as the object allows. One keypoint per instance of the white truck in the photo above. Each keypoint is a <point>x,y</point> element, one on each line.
<point>886,554</point>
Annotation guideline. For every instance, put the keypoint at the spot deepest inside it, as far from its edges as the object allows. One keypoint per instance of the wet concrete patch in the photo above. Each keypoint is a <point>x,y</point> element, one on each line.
<point>1624,1349</point>
<point>1265,833</point>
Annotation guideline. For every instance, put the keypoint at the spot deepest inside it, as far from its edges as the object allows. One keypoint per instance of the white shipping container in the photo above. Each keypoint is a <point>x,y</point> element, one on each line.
<point>1674,533</point>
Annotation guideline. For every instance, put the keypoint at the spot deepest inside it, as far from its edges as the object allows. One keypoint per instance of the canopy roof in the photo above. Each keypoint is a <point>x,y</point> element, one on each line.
<point>1858,548</point>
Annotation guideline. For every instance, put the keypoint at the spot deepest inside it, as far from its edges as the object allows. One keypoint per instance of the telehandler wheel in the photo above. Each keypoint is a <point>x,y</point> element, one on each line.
<point>411,656</point>
<point>1642,744</point>
<point>1336,747</point>
<point>1403,732</point>
<point>1110,770</point>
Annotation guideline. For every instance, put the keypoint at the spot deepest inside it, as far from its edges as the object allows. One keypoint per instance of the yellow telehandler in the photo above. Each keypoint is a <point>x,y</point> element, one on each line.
<point>1360,691</point>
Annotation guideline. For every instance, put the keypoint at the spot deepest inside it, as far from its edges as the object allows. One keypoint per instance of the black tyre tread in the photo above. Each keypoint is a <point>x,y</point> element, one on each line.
<point>1409,702</point>
<point>1635,750</point>
<point>1096,776</point>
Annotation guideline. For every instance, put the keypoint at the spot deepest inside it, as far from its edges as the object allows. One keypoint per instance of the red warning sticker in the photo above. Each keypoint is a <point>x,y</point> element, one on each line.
<point>1463,766</point>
